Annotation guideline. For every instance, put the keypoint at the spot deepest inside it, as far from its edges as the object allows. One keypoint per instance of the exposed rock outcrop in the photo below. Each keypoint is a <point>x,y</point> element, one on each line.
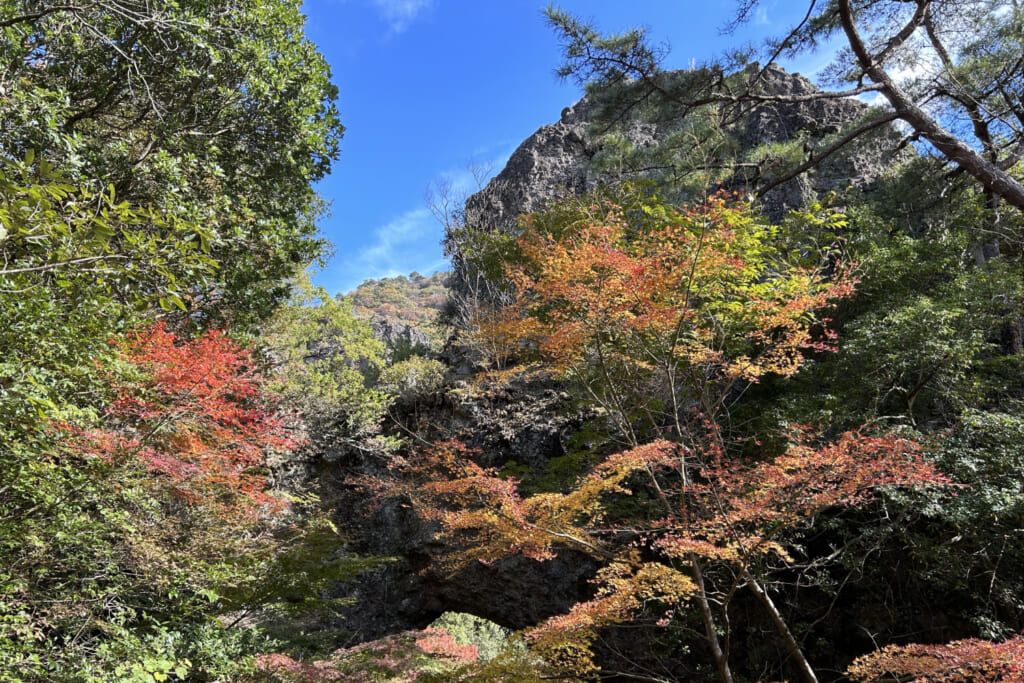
<point>529,423</point>
<point>401,340</point>
<point>555,160</point>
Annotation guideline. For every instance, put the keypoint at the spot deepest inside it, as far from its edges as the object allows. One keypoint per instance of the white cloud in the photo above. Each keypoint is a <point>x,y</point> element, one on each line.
<point>411,241</point>
<point>401,13</point>
<point>875,99</point>
<point>408,243</point>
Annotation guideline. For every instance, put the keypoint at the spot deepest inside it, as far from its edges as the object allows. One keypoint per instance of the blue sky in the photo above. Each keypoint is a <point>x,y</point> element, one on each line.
<point>428,86</point>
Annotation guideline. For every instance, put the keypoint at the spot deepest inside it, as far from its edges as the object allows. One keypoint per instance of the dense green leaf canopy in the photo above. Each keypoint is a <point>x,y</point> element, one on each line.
<point>219,113</point>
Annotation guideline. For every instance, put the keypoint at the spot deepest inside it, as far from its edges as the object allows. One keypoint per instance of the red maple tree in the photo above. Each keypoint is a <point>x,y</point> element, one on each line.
<point>961,661</point>
<point>661,316</point>
<point>194,414</point>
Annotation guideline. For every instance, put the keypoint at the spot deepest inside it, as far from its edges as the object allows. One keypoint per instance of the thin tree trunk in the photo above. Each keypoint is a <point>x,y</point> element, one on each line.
<point>793,647</point>
<point>721,659</point>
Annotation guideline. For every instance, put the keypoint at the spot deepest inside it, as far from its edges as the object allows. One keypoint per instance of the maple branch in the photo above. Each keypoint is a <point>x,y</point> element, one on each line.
<point>792,645</point>
<point>711,631</point>
<point>600,552</point>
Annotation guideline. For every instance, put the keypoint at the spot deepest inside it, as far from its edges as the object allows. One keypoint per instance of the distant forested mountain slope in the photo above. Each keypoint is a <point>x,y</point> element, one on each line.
<point>414,301</point>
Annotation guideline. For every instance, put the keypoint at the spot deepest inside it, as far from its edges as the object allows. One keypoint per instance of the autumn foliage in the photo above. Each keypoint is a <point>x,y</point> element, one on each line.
<point>961,661</point>
<point>196,419</point>
<point>652,309</point>
<point>704,286</point>
<point>428,654</point>
<point>661,317</point>
<point>730,512</point>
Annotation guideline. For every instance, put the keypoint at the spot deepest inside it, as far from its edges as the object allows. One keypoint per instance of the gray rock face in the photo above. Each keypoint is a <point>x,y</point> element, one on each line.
<point>525,423</point>
<point>400,340</point>
<point>554,160</point>
<point>514,592</point>
<point>548,163</point>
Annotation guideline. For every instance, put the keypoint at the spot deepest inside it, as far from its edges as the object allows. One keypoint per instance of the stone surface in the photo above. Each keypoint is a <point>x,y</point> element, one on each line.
<point>524,421</point>
<point>400,339</point>
<point>554,160</point>
<point>529,422</point>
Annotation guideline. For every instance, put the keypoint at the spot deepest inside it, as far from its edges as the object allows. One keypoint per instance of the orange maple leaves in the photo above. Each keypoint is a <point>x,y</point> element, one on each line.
<point>734,511</point>
<point>730,512</point>
<point>659,316</point>
<point>704,286</point>
<point>961,661</point>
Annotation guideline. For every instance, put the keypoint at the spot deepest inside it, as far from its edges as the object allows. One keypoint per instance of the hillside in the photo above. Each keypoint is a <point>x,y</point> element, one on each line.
<point>414,301</point>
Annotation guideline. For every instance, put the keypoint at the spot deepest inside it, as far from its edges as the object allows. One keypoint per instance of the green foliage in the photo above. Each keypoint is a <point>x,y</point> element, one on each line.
<point>78,267</point>
<point>414,378</point>
<point>968,546</point>
<point>466,629</point>
<point>93,587</point>
<point>217,114</point>
<point>125,543</point>
<point>923,339</point>
<point>326,359</point>
<point>155,162</point>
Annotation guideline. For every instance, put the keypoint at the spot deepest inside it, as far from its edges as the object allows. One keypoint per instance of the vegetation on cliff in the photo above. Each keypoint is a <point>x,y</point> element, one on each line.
<point>672,432</point>
<point>415,301</point>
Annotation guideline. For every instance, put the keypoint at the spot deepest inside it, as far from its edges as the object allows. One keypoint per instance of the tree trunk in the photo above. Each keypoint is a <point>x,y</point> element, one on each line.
<point>793,647</point>
<point>987,173</point>
<point>721,658</point>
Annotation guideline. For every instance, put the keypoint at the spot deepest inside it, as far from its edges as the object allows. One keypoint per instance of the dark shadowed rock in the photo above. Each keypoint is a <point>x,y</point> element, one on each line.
<point>523,421</point>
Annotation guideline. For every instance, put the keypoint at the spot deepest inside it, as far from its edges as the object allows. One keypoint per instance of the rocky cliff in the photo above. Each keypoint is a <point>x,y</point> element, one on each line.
<point>522,425</point>
<point>527,425</point>
<point>557,159</point>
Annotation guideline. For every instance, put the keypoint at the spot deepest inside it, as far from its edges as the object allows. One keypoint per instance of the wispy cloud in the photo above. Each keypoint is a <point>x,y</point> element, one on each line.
<point>401,13</point>
<point>484,164</point>
<point>925,66</point>
<point>410,242</point>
